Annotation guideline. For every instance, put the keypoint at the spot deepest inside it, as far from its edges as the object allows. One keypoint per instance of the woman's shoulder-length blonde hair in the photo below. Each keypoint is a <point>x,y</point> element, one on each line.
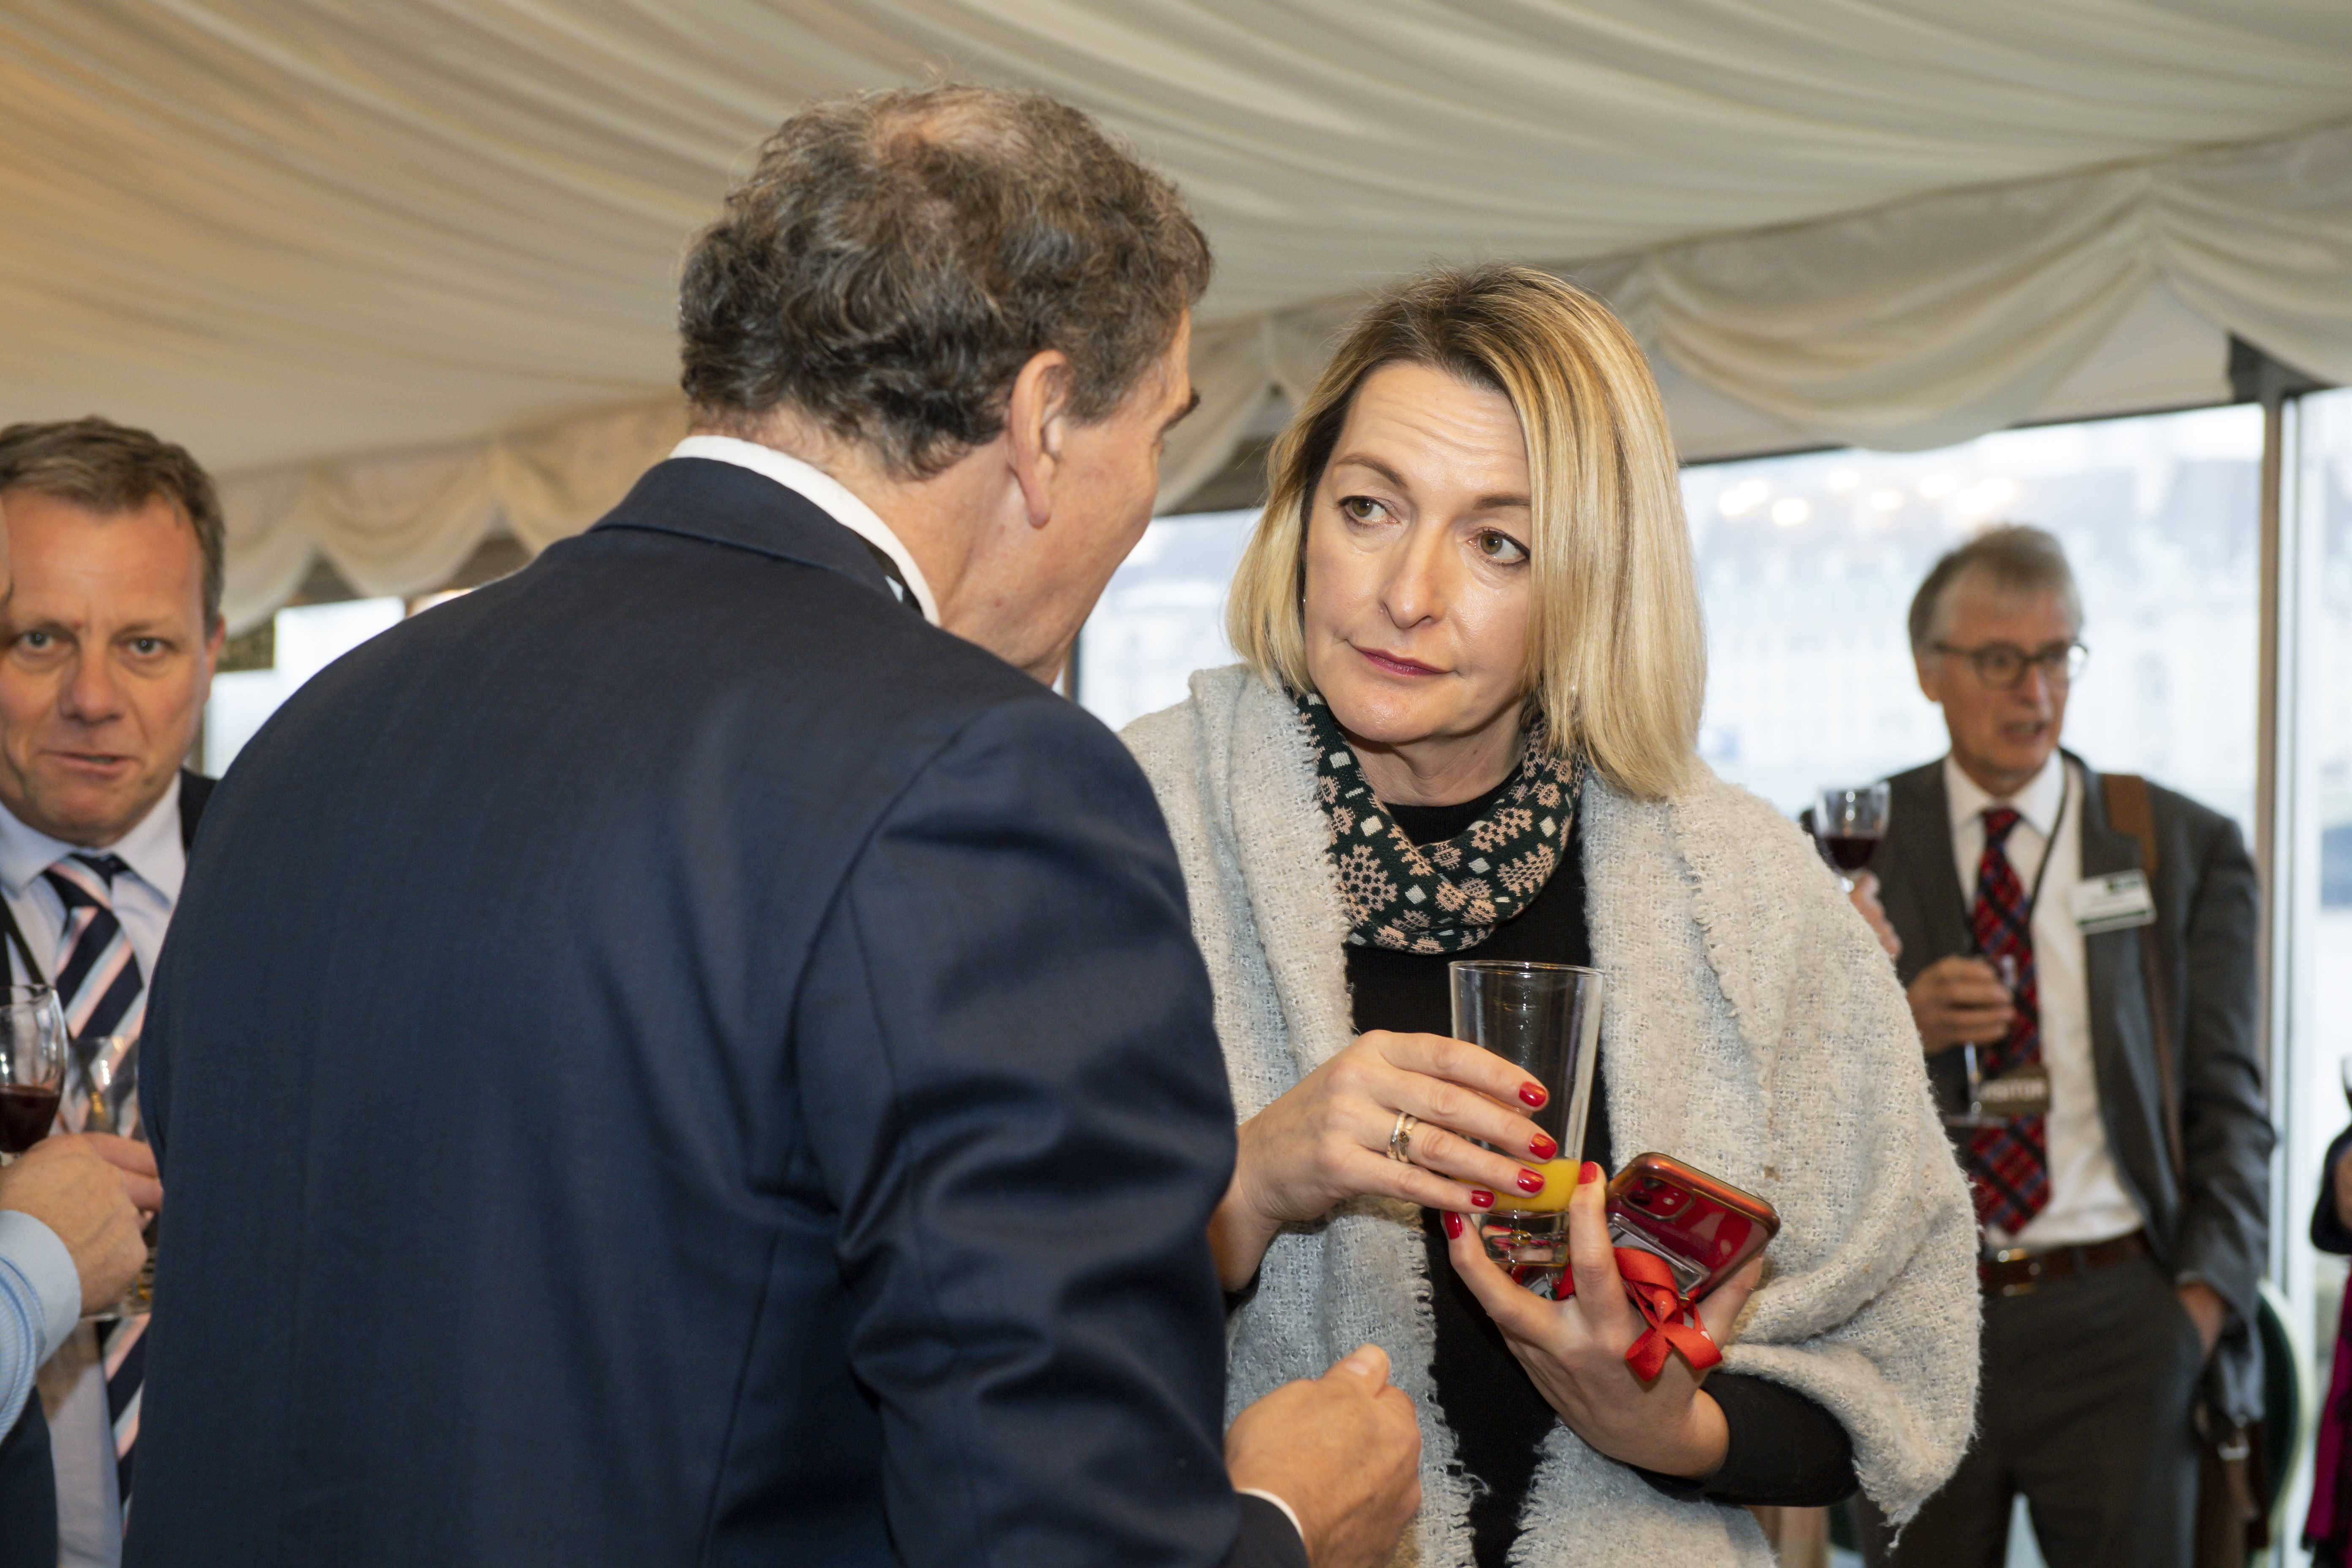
<point>1616,648</point>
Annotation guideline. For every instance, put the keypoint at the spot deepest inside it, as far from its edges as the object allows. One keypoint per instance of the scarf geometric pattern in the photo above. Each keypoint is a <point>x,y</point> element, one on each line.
<point>1448,896</point>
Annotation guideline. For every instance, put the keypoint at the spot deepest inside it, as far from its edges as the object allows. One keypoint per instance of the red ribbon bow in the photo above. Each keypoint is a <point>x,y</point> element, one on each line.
<point>1673,1317</point>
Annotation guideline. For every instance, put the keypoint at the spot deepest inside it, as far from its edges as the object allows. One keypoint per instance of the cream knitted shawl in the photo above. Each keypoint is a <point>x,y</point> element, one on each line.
<point>1752,1027</point>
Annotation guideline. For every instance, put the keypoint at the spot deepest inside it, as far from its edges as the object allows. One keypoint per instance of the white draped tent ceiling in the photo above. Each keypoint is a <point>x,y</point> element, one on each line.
<point>402,270</point>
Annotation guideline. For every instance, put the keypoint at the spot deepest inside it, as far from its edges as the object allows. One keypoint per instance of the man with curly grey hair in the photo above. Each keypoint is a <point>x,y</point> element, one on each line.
<point>741,1084</point>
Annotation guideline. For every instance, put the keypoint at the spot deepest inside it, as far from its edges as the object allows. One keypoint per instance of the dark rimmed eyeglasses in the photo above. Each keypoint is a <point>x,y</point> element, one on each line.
<point>2002,665</point>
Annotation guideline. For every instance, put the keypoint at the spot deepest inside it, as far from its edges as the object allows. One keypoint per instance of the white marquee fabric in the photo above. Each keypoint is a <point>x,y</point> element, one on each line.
<point>373,259</point>
<point>1924,323</point>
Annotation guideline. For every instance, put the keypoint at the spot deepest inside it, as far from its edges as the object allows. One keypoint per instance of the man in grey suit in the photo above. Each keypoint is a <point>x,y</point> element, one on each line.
<point>2097,1014</point>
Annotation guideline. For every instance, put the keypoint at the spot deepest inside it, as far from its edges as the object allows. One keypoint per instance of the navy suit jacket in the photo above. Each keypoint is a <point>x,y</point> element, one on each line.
<point>671,1058</point>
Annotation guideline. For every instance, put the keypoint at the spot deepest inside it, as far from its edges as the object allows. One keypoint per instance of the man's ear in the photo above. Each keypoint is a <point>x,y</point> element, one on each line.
<point>1929,667</point>
<point>1036,425</point>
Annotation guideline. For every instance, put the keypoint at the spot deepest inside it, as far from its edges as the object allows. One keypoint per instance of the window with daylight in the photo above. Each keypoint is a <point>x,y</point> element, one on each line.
<point>1162,617</point>
<point>2318,841</point>
<point>1808,563</point>
<point>305,639</point>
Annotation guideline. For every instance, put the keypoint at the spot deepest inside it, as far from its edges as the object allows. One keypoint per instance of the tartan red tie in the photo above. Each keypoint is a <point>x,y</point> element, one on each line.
<point>2008,1165</point>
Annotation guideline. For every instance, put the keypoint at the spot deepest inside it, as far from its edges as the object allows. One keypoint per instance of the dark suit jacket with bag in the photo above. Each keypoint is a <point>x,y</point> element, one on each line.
<point>671,1058</point>
<point>2215,1225</point>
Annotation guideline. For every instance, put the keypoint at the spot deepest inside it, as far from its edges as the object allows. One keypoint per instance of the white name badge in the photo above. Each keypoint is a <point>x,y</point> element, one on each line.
<point>2118,902</point>
<point>2019,1092</point>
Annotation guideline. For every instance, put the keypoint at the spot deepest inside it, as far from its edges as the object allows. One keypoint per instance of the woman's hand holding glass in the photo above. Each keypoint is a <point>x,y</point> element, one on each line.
<point>1575,1350</point>
<point>1328,1139</point>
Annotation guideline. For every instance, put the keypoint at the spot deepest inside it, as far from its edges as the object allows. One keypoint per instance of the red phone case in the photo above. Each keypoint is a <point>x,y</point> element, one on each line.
<point>1703,1228</point>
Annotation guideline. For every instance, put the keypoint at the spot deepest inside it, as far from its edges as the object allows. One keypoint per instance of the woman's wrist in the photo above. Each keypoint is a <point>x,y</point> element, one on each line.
<point>1238,1245</point>
<point>1693,1450</point>
<point>1707,1439</point>
<point>1238,1234</point>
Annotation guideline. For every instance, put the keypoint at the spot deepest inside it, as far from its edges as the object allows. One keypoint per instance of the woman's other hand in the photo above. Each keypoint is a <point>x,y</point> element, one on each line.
<point>1575,1350</point>
<point>1326,1140</point>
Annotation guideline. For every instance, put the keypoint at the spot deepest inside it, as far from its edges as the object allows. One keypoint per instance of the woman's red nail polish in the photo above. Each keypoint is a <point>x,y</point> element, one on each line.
<point>1591,1172</point>
<point>1543,1148</point>
<point>1530,1182</point>
<point>1533,1093</point>
<point>1452,1224</point>
<point>1480,1198</point>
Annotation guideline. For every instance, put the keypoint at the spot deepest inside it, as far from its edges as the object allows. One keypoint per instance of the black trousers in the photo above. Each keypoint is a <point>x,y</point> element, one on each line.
<point>2085,1406</point>
<point>28,1492</point>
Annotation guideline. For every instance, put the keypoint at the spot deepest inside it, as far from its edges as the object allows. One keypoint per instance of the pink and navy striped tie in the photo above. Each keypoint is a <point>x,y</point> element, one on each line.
<point>100,984</point>
<point>2008,1165</point>
<point>104,994</point>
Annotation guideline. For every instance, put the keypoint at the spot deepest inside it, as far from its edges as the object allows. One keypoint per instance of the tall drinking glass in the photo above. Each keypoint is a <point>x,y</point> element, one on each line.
<point>32,1066</point>
<point>1977,1108</point>
<point>1543,1018</point>
<point>108,1088</point>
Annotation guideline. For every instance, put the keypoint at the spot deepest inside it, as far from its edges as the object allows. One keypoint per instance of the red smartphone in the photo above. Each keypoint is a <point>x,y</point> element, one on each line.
<point>1703,1228</point>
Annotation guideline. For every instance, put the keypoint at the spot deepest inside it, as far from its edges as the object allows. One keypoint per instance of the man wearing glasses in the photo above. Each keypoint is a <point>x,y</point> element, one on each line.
<point>2089,1021</point>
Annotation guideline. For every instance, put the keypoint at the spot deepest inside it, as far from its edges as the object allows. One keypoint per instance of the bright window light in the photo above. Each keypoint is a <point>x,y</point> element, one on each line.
<point>309,638</point>
<point>1162,617</point>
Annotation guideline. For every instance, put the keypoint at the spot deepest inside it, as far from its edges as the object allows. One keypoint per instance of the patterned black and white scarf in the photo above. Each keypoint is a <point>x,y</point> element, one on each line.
<point>1440,898</point>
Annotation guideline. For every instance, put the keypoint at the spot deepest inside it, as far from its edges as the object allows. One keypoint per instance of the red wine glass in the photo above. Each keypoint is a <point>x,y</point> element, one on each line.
<point>1850,822</point>
<point>32,1066</point>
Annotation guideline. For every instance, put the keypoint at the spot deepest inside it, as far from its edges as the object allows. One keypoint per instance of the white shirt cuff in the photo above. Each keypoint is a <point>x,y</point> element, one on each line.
<point>48,1268</point>
<point>1288,1512</point>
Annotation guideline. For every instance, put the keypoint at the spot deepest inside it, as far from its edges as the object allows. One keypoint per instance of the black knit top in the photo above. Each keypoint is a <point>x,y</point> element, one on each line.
<point>1785,1448</point>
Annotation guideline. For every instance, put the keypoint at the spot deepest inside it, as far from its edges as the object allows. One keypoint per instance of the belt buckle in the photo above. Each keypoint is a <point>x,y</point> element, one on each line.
<point>2033,1261</point>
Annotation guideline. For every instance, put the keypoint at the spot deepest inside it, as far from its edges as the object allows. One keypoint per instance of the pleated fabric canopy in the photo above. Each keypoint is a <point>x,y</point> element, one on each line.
<point>404,271</point>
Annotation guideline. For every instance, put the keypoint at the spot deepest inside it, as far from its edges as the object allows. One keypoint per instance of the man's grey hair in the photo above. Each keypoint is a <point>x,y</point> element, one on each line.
<point>2013,558</point>
<point>898,257</point>
<point>106,469</point>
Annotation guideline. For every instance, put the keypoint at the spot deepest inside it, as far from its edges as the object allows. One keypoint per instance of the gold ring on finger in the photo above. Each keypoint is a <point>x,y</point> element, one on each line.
<point>1400,1138</point>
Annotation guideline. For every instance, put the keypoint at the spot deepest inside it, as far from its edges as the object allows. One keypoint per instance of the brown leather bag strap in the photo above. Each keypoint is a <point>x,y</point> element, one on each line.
<point>2230,1523</point>
<point>2129,811</point>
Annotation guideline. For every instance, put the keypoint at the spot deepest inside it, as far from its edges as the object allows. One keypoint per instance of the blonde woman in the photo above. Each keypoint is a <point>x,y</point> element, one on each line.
<point>1466,726</point>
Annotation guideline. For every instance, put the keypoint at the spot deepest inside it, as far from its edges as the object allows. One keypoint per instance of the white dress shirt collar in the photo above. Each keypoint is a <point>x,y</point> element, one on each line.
<point>821,489</point>
<point>2037,803</point>
<point>152,849</point>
